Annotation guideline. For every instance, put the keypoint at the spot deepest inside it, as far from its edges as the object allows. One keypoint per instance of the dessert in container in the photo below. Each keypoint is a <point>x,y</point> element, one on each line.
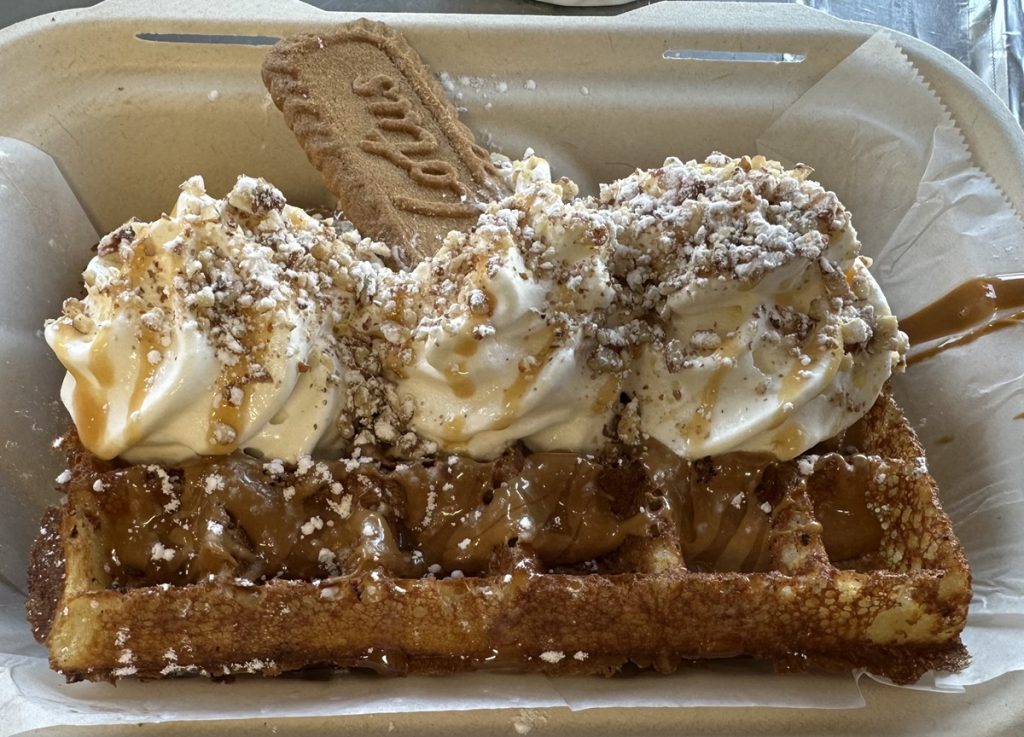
<point>205,105</point>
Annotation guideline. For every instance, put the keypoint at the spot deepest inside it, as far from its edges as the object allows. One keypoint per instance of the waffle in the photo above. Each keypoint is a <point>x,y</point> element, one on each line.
<point>839,559</point>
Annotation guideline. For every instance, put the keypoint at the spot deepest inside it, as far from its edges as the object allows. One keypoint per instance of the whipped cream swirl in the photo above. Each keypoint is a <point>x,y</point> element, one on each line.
<point>205,331</point>
<point>506,325</point>
<point>769,333</point>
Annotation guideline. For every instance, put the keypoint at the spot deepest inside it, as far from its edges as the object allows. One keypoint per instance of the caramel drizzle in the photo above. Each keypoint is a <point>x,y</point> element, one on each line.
<point>524,381</point>
<point>606,395</point>
<point>791,383</point>
<point>699,426</point>
<point>454,430</point>
<point>815,349</point>
<point>849,529</point>
<point>459,516</point>
<point>144,375</point>
<point>223,412</point>
<point>89,403</point>
<point>972,303</point>
<point>141,261</point>
<point>457,373</point>
<point>466,345</point>
<point>558,509</point>
<point>459,380</point>
<point>788,441</point>
<point>716,508</point>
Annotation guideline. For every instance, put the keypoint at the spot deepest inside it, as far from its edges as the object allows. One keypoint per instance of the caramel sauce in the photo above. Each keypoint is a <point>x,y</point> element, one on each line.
<point>792,381</point>
<point>990,327</point>
<point>715,505</point>
<point>788,441</point>
<point>141,270</point>
<point>699,427</point>
<point>458,515</point>
<point>559,504</point>
<point>849,529</point>
<point>222,411</point>
<point>466,345</point>
<point>459,380</point>
<point>144,376</point>
<point>89,404</point>
<point>974,303</point>
<point>227,518</point>
<point>526,378</point>
<point>606,395</point>
<point>454,430</point>
<point>246,529</point>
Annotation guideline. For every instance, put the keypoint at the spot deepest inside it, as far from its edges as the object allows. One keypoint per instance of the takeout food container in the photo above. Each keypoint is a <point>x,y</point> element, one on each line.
<point>132,98</point>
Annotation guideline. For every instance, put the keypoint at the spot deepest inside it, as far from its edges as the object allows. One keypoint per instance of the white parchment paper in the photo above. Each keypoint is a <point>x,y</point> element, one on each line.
<point>880,138</point>
<point>876,135</point>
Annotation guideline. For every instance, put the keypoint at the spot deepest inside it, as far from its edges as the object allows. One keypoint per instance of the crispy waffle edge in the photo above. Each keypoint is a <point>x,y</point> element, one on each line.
<point>909,622</point>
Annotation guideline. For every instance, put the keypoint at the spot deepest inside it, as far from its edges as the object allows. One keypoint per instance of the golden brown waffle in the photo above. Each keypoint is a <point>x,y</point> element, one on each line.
<point>839,560</point>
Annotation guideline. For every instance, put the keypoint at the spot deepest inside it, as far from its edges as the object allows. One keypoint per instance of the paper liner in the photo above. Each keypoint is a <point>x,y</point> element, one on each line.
<point>877,135</point>
<point>955,224</point>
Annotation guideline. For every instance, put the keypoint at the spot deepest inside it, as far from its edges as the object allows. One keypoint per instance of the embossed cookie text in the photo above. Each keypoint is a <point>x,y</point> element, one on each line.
<point>415,154</point>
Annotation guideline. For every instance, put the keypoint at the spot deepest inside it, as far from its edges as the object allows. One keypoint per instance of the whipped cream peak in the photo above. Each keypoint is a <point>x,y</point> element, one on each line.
<point>205,331</point>
<point>507,322</point>
<point>769,332</point>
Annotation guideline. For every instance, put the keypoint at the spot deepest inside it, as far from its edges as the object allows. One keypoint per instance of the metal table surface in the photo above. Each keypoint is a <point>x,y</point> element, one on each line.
<point>985,35</point>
